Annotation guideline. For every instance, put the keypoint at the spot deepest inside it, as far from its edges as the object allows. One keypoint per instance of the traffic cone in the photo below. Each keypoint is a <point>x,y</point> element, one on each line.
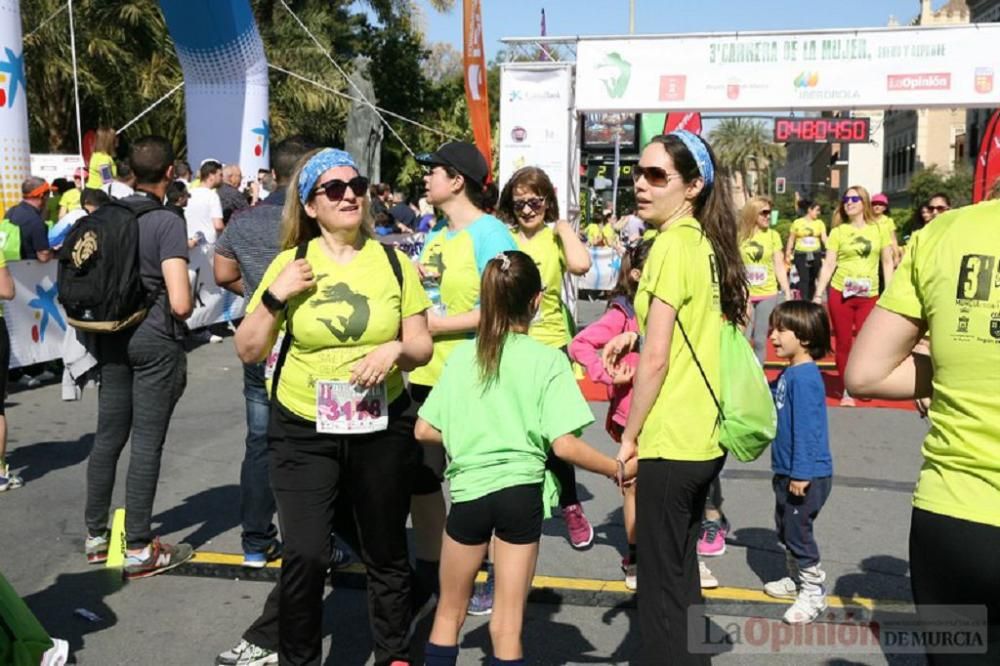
<point>116,549</point>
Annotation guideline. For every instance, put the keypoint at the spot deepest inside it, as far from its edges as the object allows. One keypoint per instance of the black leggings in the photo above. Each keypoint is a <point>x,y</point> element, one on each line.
<point>4,362</point>
<point>954,562</point>
<point>808,271</point>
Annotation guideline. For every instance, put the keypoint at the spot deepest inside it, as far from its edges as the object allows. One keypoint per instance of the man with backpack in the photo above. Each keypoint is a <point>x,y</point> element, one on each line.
<point>23,234</point>
<point>243,252</point>
<point>143,366</point>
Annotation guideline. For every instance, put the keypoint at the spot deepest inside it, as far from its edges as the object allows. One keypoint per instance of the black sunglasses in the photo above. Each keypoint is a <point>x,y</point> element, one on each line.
<point>765,212</point>
<point>938,209</point>
<point>534,203</point>
<point>336,188</point>
<point>655,176</point>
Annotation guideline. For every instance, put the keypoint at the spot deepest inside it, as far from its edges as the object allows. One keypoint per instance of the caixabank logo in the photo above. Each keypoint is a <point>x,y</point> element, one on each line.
<point>11,76</point>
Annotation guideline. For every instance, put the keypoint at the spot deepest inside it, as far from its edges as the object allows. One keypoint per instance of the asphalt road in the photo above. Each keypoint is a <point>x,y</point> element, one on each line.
<point>862,534</point>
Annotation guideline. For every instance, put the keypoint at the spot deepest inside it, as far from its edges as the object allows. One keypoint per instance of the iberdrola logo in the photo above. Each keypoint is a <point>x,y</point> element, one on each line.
<point>11,77</point>
<point>614,72</point>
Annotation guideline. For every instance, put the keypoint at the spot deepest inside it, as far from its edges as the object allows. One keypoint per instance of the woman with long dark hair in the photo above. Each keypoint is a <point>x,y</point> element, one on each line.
<point>694,277</point>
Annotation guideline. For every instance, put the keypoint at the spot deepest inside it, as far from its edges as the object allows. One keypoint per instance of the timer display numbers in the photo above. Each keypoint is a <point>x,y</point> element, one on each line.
<point>821,130</point>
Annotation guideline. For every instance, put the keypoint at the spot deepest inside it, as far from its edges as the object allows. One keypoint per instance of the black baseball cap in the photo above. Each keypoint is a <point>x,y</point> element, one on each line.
<point>461,156</point>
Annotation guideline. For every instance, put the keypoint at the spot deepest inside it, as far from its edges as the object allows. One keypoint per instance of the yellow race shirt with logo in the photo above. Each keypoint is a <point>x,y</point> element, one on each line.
<point>459,258</point>
<point>99,162</point>
<point>808,234</point>
<point>354,308</point>
<point>549,327</point>
<point>758,258</point>
<point>950,278</point>
<point>601,232</point>
<point>859,252</point>
<point>681,272</point>
<point>886,223</point>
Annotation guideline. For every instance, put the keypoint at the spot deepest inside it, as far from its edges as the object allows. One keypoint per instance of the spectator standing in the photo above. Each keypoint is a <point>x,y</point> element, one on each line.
<point>204,209</point>
<point>124,183</point>
<point>102,170</point>
<point>70,198</point>
<point>27,217</point>
<point>177,199</point>
<point>230,196</point>
<point>143,374</point>
<point>402,213</point>
<point>182,171</point>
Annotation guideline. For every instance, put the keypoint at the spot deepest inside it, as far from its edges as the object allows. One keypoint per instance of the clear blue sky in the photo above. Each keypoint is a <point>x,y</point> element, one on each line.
<point>521,18</point>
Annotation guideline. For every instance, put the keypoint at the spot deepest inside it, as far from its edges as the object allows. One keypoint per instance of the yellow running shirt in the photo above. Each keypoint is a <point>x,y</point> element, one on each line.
<point>549,326</point>
<point>354,308</point>
<point>887,223</point>
<point>808,234</point>
<point>859,252</point>
<point>101,170</point>
<point>598,232</point>
<point>70,200</point>
<point>950,278</point>
<point>758,257</point>
<point>459,258</point>
<point>680,271</point>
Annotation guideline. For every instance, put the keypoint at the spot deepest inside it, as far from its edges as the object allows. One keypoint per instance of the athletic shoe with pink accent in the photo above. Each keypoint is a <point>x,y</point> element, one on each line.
<point>712,541</point>
<point>581,532</point>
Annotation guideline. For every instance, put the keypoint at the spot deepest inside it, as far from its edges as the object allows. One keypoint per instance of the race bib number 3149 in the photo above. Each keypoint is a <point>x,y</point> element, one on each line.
<point>343,409</point>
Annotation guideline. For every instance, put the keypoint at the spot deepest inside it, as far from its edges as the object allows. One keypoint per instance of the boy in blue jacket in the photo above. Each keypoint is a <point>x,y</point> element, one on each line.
<point>800,455</point>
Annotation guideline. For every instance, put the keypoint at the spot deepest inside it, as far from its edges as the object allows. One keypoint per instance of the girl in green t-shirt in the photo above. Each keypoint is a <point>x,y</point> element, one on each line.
<point>502,401</point>
<point>528,203</point>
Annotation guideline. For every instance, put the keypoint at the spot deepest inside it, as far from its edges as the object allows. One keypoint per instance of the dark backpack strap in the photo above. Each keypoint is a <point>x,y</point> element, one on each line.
<point>397,269</point>
<point>286,342</point>
<point>704,377</point>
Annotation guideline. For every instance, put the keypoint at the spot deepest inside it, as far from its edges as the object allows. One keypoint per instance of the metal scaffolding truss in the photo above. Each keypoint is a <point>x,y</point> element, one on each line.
<point>534,49</point>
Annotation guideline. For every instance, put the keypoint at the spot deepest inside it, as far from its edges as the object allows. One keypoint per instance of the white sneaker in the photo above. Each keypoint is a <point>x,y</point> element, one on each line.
<point>232,655</point>
<point>806,609</point>
<point>255,655</point>
<point>631,570</point>
<point>216,339</point>
<point>782,589</point>
<point>57,655</point>
<point>708,581</point>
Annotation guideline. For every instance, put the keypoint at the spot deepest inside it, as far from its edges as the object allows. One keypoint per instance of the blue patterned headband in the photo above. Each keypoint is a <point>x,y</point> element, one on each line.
<point>696,146</point>
<point>317,164</point>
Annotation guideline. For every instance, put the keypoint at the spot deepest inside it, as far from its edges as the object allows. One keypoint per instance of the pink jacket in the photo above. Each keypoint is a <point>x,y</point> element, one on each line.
<point>586,348</point>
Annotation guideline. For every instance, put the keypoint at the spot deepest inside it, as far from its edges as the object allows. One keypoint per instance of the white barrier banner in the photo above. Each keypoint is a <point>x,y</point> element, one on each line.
<point>212,303</point>
<point>919,67</point>
<point>605,263</point>
<point>35,321</point>
<point>535,114</point>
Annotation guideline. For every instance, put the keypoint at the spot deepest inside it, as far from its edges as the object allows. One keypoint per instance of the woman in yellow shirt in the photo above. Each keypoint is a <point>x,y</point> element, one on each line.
<point>806,239</point>
<point>851,269</point>
<point>528,203</point>
<point>760,246</point>
<point>340,440</point>
<point>101,170</point>
<point>693,278</point>
<point>946,286</point>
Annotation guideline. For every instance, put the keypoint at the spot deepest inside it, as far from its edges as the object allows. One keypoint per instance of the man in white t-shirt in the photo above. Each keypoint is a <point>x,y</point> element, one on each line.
<point>121,186</point>
<point>204,209</point>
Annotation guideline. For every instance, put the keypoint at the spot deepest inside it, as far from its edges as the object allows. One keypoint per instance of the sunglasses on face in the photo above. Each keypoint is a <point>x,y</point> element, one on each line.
<point>938,209</point>
<point>851,199</point>
<point>765,213</point>
<point>534,203</point>
<point>335,189</point>
<point>655,176</point>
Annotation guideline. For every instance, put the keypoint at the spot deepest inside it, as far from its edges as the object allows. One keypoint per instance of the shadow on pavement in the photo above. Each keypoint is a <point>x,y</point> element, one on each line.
<point>764,556</point>
<point>215,510</point>
<point>55,605</point>
<point>881,577</point>
<point>36,460</point>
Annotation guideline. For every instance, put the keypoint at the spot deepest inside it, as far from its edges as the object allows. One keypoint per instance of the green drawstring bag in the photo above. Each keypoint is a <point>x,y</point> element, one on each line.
<point>747,419</point>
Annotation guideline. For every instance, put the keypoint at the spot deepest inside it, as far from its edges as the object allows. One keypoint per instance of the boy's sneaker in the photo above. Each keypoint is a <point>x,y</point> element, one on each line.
<point>232,655</point>
<point>708,581</point>
<point>806,609</point>
<point>9,480</point>
<point>255,655</point>
<point>581,532</point>
<point>259,559</point>
<point>782,589</point>
<point>631,571</point>
<point>482,596</point>
<point>712,541</point>
<point>96,548</point>
<point>162,557</point>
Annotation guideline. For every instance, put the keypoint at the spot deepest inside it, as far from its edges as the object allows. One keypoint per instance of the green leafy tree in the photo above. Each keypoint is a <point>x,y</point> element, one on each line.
<point>743,146</point>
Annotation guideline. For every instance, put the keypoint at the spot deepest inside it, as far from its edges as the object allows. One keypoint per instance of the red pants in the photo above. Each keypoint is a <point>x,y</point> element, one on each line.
<point>847,317</point>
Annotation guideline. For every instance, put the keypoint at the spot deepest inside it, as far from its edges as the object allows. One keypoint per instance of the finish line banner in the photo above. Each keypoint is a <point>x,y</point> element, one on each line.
<point>37,324</point>
<point>945,66</point>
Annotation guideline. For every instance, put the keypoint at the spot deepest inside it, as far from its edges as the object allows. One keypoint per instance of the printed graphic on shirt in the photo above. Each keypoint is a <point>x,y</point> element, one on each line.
<point>755,251</point>
<point>344,327</point>
<point>779,393</point>
<point>863,246</point>
<point>978,276</point>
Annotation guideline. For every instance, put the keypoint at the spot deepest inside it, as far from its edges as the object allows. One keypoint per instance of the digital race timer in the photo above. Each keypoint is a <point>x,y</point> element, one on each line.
<point>822,130</point>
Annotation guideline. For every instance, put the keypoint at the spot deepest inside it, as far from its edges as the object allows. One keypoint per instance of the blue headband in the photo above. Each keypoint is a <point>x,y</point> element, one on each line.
<point>696,146</point>
<point>327,158</point>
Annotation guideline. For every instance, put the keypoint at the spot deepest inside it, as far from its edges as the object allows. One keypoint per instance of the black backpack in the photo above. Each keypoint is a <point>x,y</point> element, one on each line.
<point>98,282</point>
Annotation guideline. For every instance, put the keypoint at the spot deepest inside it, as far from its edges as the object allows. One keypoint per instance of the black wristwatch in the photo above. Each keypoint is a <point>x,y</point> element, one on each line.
<point>272,302</point>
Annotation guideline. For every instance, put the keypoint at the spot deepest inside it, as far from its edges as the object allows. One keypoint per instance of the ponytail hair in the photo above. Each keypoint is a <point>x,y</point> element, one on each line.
<point>713,208</point>
<point>510,284</point>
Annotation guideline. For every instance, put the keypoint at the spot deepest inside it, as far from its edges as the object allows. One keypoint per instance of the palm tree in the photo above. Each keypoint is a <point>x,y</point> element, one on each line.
<point>745,150</point>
